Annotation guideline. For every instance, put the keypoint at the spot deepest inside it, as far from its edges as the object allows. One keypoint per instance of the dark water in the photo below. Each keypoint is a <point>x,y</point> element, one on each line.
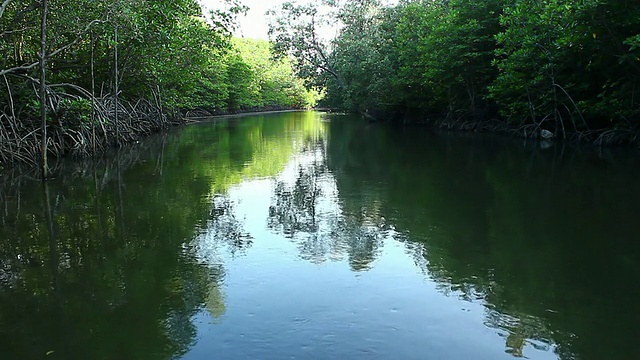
<point>311,236</point>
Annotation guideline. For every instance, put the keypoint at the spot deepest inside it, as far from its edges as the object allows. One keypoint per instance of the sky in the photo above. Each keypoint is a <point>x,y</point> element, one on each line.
<point>254,25</point>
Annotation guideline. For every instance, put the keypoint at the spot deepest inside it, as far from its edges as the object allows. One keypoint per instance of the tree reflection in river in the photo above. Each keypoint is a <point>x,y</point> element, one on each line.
<point>544,241</point>
<point>122,279</point>
<point>306,207</point>
<point>144,243</point>
<point>107,277</point>
<point>295,208</point>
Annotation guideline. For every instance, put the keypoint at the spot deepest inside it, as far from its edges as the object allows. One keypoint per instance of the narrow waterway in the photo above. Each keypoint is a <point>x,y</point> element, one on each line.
<point>315,236</point>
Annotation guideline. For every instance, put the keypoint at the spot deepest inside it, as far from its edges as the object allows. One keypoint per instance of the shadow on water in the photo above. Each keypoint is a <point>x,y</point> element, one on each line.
<point>115,258</point>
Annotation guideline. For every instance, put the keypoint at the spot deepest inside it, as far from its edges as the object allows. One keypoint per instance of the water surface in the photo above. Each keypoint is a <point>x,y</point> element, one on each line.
<point>316,236</point>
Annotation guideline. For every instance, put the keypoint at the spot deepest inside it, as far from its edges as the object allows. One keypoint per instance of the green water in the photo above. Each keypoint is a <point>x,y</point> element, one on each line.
<point>314,236</point>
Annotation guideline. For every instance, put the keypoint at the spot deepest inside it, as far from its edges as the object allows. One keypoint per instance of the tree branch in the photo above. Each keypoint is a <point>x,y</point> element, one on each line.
<point>316,45</point>
<point>54,53</point>
<point>77,40</point>
<point>9,32</point>
<point>18,68</point>
<point>3,7</point>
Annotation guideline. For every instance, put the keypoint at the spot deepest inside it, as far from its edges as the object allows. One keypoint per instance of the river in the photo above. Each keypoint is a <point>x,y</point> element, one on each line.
<point>316,236</point>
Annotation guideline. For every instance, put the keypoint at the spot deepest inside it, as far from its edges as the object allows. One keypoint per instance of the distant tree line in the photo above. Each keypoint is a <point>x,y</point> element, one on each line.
<point>563,68</point>
<point>95,73</point>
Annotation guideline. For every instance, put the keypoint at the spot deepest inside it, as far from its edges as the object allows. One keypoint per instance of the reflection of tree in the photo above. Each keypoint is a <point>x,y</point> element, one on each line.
<point>294,209</point>
<point>521,230</point>
<point>127,279</point>
<point>363,241</point>
<point>307,211</point>
<point>519,332</point>
<point>225,227</point>
<point>215,302</point>
<point>76,279</point>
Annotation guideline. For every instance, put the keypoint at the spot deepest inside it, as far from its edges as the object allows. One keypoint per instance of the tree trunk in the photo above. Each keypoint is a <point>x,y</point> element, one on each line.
<point>115,86</point>
<point>43,90</point>
<point>93,97</point>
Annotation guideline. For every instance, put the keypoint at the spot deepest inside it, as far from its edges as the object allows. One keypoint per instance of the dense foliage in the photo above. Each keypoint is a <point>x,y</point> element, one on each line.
<point>258,80</point>
<point>156,60</point>
<point>560,68</point>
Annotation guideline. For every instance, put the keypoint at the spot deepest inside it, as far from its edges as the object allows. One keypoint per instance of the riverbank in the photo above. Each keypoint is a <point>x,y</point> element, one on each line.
<point>598,137</point>
<point>196,119</point>
<point>73,135</point>
<point>614,136</point>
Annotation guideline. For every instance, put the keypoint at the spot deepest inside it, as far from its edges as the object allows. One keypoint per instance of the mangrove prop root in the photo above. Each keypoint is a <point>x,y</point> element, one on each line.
<point>20,132</point>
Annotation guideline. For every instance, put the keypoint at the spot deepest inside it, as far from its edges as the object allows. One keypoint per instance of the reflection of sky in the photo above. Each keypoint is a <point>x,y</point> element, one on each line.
<point>280,305</point>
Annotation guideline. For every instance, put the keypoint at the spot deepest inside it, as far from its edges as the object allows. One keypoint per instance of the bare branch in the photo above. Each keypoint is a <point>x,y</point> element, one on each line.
<point>18,68</point>
<point>9,32</point>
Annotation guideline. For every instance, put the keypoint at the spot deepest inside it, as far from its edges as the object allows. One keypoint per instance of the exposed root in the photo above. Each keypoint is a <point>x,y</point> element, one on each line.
<point>70,124</point>
<point>611,137</point>
<point>618,137</point>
